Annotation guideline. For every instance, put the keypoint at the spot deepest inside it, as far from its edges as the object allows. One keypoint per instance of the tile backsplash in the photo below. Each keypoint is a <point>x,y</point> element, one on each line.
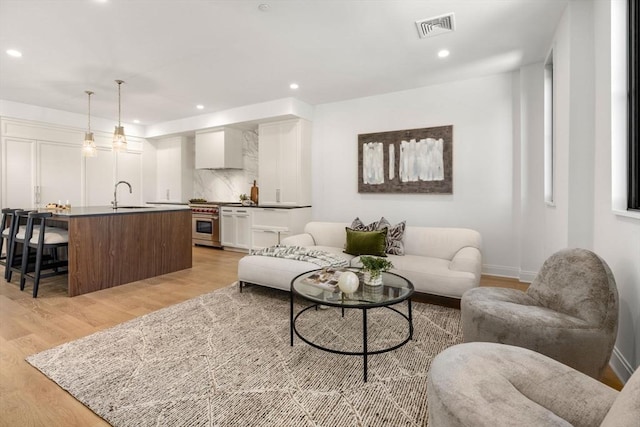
<point>226,185</point>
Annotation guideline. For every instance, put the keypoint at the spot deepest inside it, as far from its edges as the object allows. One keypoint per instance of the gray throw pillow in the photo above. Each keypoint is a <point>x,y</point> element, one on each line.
<point>395,234</point>
<point>359,225</point>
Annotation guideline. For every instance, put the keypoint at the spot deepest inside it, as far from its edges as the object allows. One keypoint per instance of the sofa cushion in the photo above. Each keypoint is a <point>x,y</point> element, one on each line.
<point>357,224</point>
<point>366,242</point>
<point>395,234</point>
<point>270,271</point>
<point>432,275</point>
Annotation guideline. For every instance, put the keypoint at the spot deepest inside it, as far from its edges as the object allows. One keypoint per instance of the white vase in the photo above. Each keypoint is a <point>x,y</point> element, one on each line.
<point>375,281</point>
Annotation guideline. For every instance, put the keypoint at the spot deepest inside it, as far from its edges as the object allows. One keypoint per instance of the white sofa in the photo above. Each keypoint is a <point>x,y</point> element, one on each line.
<point>438,261</point>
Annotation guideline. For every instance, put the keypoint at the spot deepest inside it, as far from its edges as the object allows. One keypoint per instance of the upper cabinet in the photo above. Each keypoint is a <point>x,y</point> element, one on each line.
<point>174,169</point>
<point>284,163</point>
<point>42,163</point>
<point>219,149</point>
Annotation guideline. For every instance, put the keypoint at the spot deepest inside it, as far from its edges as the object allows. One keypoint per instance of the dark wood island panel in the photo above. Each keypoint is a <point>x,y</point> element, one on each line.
<point>111,250</point>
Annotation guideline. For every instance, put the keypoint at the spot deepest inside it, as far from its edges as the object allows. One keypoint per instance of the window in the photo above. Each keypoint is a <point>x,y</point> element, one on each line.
<point>633,182</point>
<point>549,161</point>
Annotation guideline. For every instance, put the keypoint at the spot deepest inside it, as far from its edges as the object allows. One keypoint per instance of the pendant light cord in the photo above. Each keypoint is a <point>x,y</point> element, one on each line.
<point>89,93</point>
<point>119,102</point>
<point>89,118</point>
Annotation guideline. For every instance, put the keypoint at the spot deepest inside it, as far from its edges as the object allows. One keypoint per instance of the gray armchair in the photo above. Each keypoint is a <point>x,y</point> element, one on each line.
<point>488,384</point>
<point>569,312</point>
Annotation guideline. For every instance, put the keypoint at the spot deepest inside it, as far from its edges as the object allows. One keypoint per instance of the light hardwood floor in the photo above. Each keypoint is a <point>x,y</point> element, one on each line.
<point>28,326</point>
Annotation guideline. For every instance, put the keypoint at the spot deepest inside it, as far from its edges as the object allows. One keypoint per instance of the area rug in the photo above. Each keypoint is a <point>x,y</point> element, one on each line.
<point>224,359</point>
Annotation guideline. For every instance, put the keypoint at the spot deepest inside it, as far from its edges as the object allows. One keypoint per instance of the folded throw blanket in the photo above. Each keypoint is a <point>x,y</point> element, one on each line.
<point>300,253</point>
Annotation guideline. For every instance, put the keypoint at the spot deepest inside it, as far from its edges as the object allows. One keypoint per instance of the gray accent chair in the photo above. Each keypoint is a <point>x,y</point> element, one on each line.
<point>488,384</point>
<point>569,312</point>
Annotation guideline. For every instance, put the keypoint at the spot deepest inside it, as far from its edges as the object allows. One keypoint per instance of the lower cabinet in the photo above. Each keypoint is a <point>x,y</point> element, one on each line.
<point>235,226</point>
<point>270,225</point>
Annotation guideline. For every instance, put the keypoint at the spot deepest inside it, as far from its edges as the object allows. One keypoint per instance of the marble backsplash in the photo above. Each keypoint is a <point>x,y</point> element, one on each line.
<point>226,185</point>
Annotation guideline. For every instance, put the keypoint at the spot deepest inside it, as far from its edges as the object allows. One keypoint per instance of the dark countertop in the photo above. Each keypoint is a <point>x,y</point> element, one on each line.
<point>77,211</point>
<point>168,203</point>
<point>281,207</point>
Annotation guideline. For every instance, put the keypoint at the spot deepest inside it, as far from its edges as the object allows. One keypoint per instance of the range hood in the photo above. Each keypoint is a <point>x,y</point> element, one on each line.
<point>219,148</point>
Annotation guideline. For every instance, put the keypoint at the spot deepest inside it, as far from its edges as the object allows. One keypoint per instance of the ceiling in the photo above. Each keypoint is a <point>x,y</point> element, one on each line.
<point>175,54</point>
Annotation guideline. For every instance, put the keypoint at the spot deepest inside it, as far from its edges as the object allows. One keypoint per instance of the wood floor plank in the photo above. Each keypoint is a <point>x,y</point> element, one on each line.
<point>27,326</point>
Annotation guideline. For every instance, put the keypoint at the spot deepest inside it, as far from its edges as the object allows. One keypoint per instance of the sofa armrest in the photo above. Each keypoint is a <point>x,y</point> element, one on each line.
<point>304,239</point>
<point>468,259</point>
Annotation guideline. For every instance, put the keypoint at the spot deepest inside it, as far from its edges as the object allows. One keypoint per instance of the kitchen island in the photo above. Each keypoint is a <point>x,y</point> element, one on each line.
<point>110,247</point>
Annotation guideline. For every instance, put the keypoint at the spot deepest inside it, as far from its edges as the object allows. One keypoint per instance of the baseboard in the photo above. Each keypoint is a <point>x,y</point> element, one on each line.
<point>527,276</point>
<point>511,272</point>
<point>620,366</point>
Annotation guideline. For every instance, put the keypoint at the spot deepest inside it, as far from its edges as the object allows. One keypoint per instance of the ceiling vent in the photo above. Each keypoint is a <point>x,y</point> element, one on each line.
<point>437,25</point>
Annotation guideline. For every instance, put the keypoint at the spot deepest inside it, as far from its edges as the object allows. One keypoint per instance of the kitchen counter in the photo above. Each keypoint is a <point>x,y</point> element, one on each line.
<point>108,210</point>
<point>110,247</point>
<point>240,205</point>
<point>168,203</point>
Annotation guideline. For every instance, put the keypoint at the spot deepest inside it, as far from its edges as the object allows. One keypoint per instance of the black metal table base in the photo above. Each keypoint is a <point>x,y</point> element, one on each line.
<point>365,351</point>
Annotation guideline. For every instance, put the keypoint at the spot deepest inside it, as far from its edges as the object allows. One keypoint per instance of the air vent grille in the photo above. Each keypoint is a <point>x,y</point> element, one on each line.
<point>437,25</point>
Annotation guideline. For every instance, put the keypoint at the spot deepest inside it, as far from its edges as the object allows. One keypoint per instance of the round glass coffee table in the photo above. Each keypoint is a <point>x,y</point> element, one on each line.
<point>394,290</point>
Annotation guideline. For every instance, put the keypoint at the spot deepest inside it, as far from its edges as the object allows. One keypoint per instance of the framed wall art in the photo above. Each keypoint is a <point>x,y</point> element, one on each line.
<point>406,161</point>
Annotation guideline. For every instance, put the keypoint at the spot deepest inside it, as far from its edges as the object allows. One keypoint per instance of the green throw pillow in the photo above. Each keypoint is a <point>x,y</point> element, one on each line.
<point>366,242</point>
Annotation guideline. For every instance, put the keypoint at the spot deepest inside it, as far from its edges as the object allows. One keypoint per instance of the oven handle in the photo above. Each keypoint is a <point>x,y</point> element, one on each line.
<point>202,216</point>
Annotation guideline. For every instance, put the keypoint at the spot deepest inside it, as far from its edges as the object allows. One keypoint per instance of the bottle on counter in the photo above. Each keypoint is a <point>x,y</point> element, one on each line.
<point>254,193</point>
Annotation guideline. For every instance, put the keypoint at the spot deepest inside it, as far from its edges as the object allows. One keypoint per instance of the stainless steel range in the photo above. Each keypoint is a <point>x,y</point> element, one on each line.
<point>206,224</point>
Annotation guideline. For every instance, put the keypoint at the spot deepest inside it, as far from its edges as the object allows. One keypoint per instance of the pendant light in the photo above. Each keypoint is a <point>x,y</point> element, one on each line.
<point>119,140</point>
<point>89,144</point>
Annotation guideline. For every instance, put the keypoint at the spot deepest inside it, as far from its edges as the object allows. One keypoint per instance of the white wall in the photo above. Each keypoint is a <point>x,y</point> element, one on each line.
<point>616,237</point>
<point>530,140</point>
<point>586,131</point>
<point>480,111</point>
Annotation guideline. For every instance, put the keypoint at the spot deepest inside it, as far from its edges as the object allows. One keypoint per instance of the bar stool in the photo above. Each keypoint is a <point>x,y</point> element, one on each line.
<point>15,241</point>
<point>47,238</point>
<point>8,221</point>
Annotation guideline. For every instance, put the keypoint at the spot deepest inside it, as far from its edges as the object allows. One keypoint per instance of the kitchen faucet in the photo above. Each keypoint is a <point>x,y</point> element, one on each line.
<point>115,193</point>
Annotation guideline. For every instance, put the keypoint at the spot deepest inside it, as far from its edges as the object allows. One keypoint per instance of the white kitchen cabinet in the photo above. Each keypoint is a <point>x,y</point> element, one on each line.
<point>235,223</point>
<point>270,225</point>
<point>129,168</point>
<point>59,173</point>
<point>284,163</point>
<point>98,173</point>
<point>19,188</point>
<point>219,149</point>
<point>39,172</point>
<point>42,163</point>
<point>174,173</point>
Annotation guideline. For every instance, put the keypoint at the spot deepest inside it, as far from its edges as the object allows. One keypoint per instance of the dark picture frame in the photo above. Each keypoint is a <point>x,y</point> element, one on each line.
<point>406,161</point>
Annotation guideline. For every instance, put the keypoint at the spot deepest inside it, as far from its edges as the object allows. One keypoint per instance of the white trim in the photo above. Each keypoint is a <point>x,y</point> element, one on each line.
<point>628,214</point>
<point>620,366</point>
<point>500,270</point>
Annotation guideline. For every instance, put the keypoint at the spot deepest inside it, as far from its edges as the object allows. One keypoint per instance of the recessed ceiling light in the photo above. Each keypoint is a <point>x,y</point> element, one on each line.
<point>294,86</point>
<point>136,121</point>
<point>263,7</point>
<point>443,53</point>
<point>200,107</point>
<point>14,53</point>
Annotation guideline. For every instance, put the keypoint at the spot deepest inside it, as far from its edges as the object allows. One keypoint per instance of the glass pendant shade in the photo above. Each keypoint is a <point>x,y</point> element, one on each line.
<point>119,139</point>
<point>89,145</point>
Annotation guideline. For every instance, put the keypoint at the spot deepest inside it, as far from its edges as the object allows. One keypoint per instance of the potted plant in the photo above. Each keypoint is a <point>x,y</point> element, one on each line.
<point>372,267</point>
<point>244,200</point>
